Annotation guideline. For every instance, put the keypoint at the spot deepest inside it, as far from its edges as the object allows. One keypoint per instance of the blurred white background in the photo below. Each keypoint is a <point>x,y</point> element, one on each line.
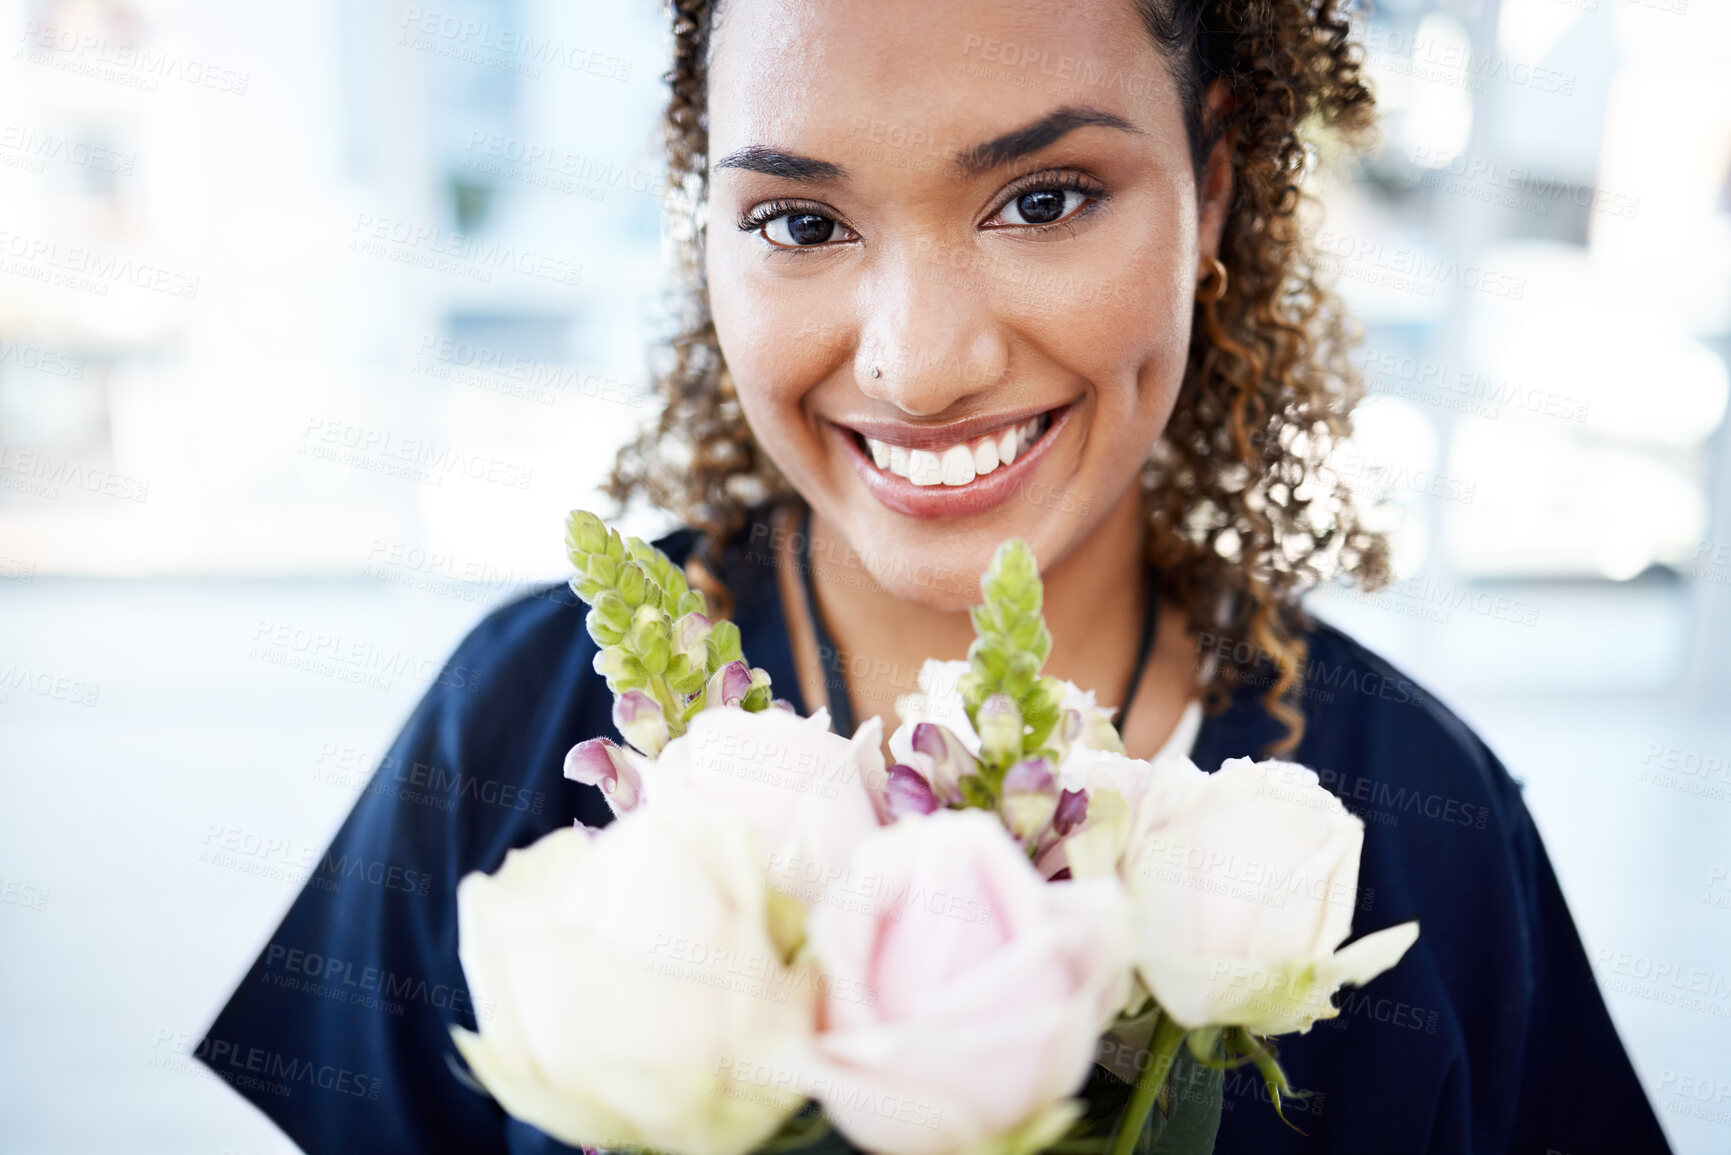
<point>321,316</point>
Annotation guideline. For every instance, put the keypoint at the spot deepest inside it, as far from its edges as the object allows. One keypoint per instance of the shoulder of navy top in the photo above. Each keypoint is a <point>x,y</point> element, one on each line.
<point>1489,1035</point>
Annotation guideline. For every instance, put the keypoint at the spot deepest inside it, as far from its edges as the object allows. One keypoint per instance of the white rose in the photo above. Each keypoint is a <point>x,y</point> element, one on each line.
<point>809,793</point>
<point>1243,885</point>
<point>636,996</point>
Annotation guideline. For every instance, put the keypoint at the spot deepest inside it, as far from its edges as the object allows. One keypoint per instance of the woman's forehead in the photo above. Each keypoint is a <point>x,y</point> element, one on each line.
<point>933,77</point>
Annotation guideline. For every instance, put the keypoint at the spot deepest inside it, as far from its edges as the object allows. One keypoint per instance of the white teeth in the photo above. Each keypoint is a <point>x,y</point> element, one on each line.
<point>924,468</point>
<point>985,456</point>
<point>958,464</point>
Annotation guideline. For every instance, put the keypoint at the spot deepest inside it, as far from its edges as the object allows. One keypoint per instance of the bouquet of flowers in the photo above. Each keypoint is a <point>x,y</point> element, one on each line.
<point>1002,943</point>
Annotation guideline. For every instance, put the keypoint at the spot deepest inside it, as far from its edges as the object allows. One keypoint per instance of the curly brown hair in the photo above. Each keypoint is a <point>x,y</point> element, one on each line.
<point>1243,513</point>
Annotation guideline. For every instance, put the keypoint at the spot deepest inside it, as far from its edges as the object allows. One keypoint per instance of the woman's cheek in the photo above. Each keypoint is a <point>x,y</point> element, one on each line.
<point>774,350</point>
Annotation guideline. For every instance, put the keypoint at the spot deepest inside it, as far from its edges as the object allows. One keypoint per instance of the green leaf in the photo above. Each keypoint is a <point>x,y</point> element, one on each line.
<point>723,645</point>
<point>806,1130</point>
<point>1196,1100</point>
<point>976,793</point>
<point>1261,1052</point>
<point>683,677</point>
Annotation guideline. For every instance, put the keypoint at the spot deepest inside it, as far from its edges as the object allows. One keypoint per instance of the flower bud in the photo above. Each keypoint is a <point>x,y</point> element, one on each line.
<point>949,760</point>
<point>673,581</point>
<point>604,634</point>
<point>599,762</point>
<point>603,569</point>
<point>907,792</point>
<point>728,686</point>
<point>1030,798</point>
<point>633,584</point>
<point>1072,811</point>
<point>648,625</point>
<point>656,654</point>
<point>758,696</point>
<point>622,671</point>
<point>608,618</point>
<point>585,587</point>
<point>989,659</point>
<point>691,637</point>
<point>641,721</point>
<point>611,608</point>
<point>999,724</point>
<point>1020,671</point>
<point>585,533</point>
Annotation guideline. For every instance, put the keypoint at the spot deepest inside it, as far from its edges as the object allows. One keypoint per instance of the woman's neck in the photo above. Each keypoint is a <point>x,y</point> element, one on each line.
<point>1094,604</point>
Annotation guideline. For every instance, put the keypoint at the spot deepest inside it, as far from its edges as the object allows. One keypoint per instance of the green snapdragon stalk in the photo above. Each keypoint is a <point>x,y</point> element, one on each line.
<point>662,656</point>
<point>1011,705</point>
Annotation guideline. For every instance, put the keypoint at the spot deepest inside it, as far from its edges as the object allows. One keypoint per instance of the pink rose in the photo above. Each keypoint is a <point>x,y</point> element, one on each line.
<point>965,994</point>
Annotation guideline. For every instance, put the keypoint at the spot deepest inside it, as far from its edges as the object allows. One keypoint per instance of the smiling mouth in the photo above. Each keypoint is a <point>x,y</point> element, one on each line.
<point>958,464</point>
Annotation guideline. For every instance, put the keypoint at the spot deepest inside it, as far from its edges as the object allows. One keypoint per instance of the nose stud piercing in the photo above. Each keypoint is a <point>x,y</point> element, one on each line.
<point>876,372</point>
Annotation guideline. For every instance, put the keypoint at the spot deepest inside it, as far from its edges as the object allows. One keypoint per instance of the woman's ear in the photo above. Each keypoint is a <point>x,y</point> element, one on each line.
<point>1214,197</point>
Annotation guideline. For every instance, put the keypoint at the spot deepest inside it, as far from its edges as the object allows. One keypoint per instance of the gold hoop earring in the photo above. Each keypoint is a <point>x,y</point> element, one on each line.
<point>1216,272</point>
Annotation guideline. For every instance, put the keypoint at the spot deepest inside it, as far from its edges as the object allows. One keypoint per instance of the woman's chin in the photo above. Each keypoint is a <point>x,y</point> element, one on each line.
<point>956,595</point>
<point>942,571</point>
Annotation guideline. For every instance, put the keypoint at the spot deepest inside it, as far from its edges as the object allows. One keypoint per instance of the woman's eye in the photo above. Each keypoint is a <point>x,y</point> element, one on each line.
<point>800,230</point>
<point>1042,206</point>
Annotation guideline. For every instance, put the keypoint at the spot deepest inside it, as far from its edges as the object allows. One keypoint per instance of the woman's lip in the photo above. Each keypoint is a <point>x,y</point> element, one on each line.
<point>934,501</point>
<point>940,436</point>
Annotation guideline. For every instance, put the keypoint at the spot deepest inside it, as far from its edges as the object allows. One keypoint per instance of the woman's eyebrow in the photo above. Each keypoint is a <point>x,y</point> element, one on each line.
<point>774,162</point>
<point>1033,137</point>
<point>1014,145</point>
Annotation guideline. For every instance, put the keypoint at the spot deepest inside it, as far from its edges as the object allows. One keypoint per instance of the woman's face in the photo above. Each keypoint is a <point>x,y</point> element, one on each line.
<point>952,250</point>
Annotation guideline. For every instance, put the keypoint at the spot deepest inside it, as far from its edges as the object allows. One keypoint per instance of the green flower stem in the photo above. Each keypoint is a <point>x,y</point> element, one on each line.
<point>669,703</point>
<point>1162,1050</point>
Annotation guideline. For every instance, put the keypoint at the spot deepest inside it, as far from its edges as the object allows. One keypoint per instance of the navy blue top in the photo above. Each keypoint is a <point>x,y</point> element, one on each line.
<point>1489,1036</point>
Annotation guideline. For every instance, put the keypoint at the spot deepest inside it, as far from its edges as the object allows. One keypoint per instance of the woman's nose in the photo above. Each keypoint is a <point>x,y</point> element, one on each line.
<point>929,336</point>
